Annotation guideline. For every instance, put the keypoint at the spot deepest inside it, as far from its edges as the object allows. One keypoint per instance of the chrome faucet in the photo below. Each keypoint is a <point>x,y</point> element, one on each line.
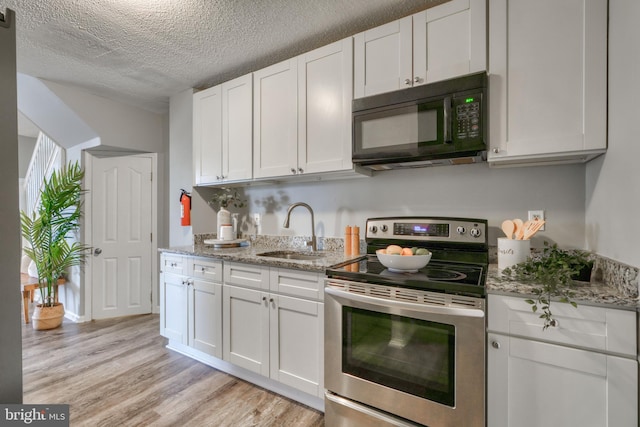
<point>314,246</point>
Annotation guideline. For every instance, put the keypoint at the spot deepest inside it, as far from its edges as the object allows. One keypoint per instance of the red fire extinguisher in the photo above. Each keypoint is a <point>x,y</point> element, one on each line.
<point>185,208</point>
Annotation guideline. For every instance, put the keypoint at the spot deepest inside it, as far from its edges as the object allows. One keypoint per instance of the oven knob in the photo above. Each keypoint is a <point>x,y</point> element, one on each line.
<point>373,228</point>
<point>475,232</point>
<point>384,228</point>
<point>461,230</point>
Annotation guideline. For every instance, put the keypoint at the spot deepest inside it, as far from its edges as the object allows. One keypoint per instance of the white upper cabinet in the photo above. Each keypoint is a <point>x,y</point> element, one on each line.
<point>275,120</point>
<point>547,81</point>
<point>302,113</point>
<point>325,92</point>
<point>222,132</point>
<point>439,43</point>
<point>449,40</point>
<point>207,135</point>
<point>237,135</point>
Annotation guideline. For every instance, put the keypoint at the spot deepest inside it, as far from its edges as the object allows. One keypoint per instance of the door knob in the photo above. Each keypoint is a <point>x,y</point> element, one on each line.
<point>97,251</point>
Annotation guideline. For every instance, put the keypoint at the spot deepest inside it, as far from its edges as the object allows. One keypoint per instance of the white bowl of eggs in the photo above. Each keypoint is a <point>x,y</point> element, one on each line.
<point>403,260</point>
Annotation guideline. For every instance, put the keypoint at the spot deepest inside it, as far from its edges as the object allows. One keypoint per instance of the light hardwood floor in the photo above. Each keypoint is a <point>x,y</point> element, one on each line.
<point>117,372</point>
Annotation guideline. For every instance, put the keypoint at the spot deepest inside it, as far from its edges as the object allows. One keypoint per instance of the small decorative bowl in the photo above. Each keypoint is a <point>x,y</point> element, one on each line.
<point>403,263</point>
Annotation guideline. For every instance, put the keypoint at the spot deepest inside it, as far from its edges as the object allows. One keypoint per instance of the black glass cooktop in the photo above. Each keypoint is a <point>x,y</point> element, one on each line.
<point>441,276</point>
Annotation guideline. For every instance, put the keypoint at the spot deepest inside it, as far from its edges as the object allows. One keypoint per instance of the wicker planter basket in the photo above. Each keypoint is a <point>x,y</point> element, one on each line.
<point>47,317</point>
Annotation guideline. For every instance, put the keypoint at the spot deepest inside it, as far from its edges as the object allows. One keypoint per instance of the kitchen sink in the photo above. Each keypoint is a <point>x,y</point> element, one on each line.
<point>303,256</point>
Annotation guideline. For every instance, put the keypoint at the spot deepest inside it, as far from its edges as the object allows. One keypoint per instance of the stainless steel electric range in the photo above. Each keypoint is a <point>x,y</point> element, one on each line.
<point>407,349</point>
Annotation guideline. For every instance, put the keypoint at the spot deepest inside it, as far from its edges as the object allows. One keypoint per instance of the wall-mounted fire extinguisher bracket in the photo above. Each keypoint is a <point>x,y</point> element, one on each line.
<point>185,208</point>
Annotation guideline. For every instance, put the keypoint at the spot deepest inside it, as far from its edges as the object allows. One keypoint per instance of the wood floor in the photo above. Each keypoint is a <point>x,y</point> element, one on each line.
<point>118,373</point>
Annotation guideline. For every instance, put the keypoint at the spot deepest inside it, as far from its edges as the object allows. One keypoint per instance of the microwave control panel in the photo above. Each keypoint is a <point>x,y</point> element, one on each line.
<point>467,124</point>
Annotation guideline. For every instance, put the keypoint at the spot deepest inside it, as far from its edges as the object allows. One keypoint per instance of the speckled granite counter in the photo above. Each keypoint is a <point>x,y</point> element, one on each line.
<point>332,250</point>
<point>607,290</point>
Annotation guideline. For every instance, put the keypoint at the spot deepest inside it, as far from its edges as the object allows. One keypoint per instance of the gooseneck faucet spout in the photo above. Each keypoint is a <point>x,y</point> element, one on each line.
<point>314,246</point>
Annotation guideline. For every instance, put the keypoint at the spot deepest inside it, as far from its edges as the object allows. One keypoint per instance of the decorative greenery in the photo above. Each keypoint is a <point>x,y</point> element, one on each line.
<point>48,228</point>
<point>226,197</point>
<point>555,271</point>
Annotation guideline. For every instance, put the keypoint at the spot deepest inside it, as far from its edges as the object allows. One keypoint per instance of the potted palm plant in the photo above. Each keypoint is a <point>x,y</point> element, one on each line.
<point>47,232</point>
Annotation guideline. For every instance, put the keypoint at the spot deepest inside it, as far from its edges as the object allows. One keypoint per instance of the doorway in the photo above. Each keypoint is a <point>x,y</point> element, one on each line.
<point>121,223</point>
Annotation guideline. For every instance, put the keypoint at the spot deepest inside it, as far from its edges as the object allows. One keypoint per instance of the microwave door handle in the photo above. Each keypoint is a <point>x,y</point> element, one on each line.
<point>447,120</point>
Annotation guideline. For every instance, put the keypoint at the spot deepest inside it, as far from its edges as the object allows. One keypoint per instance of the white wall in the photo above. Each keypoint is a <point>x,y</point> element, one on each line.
<point>613,180</point>
<point>118,125</point>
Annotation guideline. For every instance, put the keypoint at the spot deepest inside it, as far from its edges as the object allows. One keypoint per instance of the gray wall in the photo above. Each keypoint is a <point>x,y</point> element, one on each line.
<point>10,311</point>
<point>180,163</point>
<point>474,191</point>
<point>613,180</point>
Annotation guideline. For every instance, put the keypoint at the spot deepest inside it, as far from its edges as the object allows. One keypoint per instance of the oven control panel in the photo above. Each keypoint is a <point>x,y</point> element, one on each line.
<point>428,229</point>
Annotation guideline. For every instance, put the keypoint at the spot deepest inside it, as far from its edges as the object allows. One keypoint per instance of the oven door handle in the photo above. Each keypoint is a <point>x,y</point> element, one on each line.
<point>423,308</point>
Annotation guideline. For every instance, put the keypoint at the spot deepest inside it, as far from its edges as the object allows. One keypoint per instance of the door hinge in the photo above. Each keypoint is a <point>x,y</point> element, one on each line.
<point>151,179</point>
<point>151,237</point>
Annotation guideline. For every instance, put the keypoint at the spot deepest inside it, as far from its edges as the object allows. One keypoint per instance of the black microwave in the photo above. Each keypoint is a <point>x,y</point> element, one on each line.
<point>434,124</point>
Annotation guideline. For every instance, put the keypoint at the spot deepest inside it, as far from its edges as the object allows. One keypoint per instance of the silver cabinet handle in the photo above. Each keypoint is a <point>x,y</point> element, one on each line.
<point>554,323</point>
<point>407,81</point>
<point>293,171</point>
<point>416,79</point>
<point>97,251</point>
<point>495,344</point>
<point>300,170</point>
<point>496,150</point>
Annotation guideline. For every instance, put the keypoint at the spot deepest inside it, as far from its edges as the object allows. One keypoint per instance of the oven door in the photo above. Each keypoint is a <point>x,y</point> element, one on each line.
<point>419,361</point>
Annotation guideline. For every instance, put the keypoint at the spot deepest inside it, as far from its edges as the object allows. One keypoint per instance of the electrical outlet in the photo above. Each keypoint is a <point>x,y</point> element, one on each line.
<point>537,215</point>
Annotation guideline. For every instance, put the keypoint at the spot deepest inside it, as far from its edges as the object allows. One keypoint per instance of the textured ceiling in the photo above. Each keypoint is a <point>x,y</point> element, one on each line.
<point>143,51</point>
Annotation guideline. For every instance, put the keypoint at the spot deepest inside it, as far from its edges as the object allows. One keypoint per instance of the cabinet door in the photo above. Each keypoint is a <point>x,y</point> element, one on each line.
<point>207,135</point>
<point>173,307</point>
<point>205,268</point>
<point>246,275</point>
<point>275,120</point>
<point>237,130</point>
<point>325,92</point>
<point>449,40</point>
<point>174,264</point>
<point>548,83</point>
<point>382,58</point>
<point>205,317</point>
<point>535,384</point>
<point>305,284</point>
<point>297,343</point>
<point>246,328</point>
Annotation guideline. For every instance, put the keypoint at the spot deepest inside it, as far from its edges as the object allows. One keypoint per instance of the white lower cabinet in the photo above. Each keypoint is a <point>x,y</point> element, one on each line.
<point>275,335</point>
<point>191,305</point>
<point>555,383</point>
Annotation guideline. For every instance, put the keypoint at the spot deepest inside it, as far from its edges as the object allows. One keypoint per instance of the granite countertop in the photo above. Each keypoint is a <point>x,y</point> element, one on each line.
<point>612,284</point>
<point>612,293</point>
<point>332,251</point>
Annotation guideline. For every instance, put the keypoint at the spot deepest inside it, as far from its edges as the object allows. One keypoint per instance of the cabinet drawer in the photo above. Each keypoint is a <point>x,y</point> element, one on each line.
<point>247,275</point>
<point>170,263</point>
<point>597,328</point>
<point>206,268</point>
<point>306,284</point>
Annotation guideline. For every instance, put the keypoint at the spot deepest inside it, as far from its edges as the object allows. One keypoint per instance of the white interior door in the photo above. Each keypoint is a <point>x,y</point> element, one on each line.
<point>121,236</point>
